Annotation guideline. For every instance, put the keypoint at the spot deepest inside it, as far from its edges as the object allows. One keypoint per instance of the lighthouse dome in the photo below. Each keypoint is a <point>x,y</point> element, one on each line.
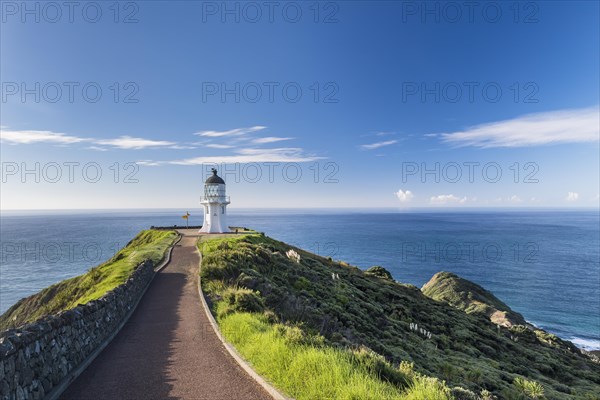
<point>214,178</point>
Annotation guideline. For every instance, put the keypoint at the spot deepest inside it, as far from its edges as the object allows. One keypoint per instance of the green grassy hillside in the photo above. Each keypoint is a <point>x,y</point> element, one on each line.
<point>149,244</point>
<point>299,317</point>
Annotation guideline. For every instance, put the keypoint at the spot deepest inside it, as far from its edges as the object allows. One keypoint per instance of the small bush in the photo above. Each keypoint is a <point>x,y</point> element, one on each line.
<point>486,395</point>
<point>530,389</point>
<point>302,283</point>
<point>239,300</point>
<point>407,368</point>
<point>475,376</point>
<point>427,388</point>
<point>459,393</point>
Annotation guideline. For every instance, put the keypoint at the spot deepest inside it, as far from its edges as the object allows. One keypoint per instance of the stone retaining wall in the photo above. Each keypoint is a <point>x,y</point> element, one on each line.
<point>36,358</point>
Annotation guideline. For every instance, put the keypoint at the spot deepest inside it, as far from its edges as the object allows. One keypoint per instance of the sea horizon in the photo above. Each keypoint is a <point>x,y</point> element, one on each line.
<point>327,209</point>
<point>397,246</point>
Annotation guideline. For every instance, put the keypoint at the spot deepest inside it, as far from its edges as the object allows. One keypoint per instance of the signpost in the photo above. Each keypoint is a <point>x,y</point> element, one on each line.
<point>187,219</point>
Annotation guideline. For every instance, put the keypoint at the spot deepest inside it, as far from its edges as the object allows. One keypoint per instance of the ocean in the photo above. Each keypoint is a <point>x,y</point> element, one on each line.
<point>543,264</point>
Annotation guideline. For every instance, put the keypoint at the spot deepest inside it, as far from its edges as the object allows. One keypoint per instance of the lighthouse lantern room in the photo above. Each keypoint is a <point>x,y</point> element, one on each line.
<point>215,203</point>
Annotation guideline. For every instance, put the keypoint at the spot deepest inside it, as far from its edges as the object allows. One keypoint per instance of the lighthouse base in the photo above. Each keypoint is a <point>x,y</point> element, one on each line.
<point>215,218</point>
<point>211,229</point>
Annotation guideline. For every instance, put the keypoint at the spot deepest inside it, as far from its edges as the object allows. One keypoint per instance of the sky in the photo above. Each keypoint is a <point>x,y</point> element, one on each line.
<point>402,104</point>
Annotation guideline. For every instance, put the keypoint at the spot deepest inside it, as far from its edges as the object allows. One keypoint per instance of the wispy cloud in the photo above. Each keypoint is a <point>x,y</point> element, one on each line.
<point>554,127</point>
<point>447,199</point>
<point>124,142</point>
<point>231,132</point>
<point>377,145</point>
<point>30,137</point>
<point>285,154</point>
<point>128,142</point>
<point>149,163</point>
<point>270,139</point>
<point>218,146</point>
<point>97,148</point>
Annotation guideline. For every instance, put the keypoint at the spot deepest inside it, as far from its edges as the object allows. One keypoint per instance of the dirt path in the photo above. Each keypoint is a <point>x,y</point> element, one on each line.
<point>167,349</point>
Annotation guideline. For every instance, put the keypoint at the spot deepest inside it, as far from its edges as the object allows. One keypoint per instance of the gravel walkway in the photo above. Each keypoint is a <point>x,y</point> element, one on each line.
<point>167,349</point>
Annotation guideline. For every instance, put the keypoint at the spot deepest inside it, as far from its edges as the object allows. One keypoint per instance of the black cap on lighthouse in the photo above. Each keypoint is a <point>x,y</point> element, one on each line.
<point>214,178</point>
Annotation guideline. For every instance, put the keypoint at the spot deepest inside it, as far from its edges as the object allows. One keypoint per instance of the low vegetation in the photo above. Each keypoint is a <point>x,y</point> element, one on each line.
<point>147,245</point>
<point>318,328</point>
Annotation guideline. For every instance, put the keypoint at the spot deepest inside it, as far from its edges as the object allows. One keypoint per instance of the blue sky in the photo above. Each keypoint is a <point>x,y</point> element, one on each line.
<point>498,102</point>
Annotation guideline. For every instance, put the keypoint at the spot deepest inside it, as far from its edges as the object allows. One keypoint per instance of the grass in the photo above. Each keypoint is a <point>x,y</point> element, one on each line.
<point>301,369</point>
<point>301,364</point>
<point>342,313</point>
<point>147,245</point>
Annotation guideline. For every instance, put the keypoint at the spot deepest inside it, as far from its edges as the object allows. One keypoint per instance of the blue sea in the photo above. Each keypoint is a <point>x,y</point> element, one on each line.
<point>543,264</point>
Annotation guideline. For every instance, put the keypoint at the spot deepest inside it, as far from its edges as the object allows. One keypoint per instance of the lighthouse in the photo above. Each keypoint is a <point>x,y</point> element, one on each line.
<point>215,204</point>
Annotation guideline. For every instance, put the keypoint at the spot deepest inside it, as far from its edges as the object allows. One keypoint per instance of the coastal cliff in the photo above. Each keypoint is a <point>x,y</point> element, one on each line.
<point>443,332</point>
<point>147,245</point>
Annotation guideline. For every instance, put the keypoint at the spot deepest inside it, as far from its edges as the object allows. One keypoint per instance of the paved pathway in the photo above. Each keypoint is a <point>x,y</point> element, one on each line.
<point>167,349</point>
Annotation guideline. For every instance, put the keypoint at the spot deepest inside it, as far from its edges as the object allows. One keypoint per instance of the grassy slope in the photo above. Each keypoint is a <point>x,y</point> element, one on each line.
<point>254,284</point>
<point>92,285</point>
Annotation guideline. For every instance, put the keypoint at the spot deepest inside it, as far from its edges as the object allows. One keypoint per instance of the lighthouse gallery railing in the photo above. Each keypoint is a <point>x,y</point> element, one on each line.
<point>209,199</point>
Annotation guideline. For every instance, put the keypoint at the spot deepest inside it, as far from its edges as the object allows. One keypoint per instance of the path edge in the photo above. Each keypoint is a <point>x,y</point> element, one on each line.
<point>276,394</point>
<point>59,389</point>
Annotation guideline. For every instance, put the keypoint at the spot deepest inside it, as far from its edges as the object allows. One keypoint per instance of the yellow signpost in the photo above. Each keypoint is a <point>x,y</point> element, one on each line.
<point>187,219</point>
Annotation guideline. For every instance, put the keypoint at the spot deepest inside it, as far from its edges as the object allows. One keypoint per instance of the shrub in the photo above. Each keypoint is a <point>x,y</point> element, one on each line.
<point>449,371</point>
<point>486,395</point>
<point>214,268</point>
<point>379,272</point>
<point>302,283</point>
<point>530,389</point>
<point>559,387</point>
<point>427,388</point>
<point>459,393</point>
<point>475,376</point>
<point>239,300</point>
<point>407,368</point>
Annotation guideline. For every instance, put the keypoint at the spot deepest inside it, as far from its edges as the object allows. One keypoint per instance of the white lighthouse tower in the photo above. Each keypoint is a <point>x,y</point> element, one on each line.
<point>215,205</point>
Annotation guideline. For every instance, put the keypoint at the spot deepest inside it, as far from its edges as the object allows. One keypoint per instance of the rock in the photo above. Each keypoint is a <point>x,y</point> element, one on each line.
<point>6,348</point>
<point>9,366</point>
<point>20,394</point>
<point>46,385</point>
<point>4,388</point>
<point>26,375</point>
